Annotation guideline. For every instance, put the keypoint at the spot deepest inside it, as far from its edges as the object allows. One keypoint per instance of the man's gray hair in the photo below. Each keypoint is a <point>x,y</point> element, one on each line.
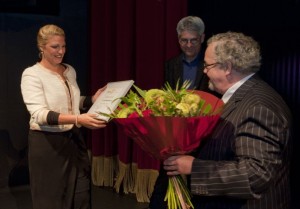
<point>190,23</point>
<point>242,51</point>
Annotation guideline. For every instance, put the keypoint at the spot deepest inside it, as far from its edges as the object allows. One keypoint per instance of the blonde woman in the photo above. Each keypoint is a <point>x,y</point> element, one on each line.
<point>58,160</point>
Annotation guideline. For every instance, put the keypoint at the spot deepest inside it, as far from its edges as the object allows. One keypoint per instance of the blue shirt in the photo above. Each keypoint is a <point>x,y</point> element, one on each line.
<point>190,70</point>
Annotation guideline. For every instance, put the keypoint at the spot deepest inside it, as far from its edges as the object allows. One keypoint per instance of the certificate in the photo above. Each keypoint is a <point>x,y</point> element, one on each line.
<point>109,99</point>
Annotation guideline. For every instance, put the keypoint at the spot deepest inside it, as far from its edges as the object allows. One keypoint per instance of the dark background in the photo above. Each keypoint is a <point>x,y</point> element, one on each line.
<point>274,24</point>
<point>43,7</point>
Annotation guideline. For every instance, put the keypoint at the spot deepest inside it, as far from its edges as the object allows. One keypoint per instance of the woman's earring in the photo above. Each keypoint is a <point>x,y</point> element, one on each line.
<point>41,54</point>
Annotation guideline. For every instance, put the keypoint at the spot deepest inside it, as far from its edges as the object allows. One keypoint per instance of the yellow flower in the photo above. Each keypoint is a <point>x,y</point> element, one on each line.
<point>191,98</point>
<point>153,94</point>
<point>183,109</point>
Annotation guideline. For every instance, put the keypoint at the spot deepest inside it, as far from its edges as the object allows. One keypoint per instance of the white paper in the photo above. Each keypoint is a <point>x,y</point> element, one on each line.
<point>109,99</point>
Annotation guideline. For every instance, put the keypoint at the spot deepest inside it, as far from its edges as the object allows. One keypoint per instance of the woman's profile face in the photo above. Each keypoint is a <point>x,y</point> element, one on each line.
<point>54,49</point>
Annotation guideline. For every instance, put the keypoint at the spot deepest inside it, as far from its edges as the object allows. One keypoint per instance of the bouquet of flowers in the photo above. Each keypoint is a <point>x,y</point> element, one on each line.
<point>166,122</point>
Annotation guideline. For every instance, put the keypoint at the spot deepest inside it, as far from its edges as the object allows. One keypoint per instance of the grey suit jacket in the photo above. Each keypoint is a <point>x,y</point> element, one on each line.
<point>245,162</point>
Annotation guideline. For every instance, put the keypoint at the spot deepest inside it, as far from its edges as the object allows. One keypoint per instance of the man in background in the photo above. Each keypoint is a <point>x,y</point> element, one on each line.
<point>188,65</point>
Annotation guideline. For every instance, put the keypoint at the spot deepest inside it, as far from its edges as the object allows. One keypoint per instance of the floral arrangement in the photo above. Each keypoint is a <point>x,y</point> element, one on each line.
<point>166,122</point>
<point>178,102</point>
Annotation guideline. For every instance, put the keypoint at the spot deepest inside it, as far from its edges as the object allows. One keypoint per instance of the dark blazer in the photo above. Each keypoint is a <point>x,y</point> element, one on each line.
<point>245,163</point>
<point>174,71</point>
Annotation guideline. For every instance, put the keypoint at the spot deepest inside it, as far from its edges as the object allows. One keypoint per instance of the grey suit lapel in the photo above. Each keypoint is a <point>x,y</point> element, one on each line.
<point>178,69</point>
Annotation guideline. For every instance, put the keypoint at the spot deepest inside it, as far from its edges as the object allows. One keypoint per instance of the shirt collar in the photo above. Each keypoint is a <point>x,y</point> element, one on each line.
<point>233,88</point>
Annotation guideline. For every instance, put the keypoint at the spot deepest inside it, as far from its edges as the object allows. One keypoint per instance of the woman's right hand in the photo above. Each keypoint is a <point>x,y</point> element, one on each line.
<point>90,121</point>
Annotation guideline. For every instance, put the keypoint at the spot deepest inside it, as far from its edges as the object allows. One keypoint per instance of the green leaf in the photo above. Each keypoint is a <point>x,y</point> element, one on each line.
<point>140,91</point>
<point>207,109</point>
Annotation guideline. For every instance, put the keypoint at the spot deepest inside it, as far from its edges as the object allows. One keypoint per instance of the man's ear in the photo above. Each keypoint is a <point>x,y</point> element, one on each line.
<point>227,67</point>
<point>202,37</point>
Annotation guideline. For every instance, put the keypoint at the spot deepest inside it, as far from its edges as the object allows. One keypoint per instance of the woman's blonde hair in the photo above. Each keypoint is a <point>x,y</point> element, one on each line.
<point>47,31</point>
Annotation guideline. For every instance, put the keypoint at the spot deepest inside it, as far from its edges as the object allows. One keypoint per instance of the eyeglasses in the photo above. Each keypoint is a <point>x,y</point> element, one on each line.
<point>209,66</point>
<point>185,41</point>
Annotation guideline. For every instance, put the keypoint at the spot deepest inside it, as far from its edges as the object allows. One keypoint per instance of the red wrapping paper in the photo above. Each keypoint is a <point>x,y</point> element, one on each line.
<point>163,136</point>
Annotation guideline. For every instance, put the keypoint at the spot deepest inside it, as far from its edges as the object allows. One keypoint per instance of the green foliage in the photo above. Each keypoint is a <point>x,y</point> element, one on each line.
<point>178,102</point>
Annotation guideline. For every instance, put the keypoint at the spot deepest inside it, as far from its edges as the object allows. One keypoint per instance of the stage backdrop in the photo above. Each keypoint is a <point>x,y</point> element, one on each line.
<point>130,39</point>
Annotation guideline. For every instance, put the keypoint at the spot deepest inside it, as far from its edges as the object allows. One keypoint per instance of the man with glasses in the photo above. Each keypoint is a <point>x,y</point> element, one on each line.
<point>188,65</point>
<point>245,163</point>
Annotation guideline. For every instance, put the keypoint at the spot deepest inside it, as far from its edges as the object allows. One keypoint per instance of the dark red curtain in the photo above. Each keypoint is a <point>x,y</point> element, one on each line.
<point>130,39</point>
